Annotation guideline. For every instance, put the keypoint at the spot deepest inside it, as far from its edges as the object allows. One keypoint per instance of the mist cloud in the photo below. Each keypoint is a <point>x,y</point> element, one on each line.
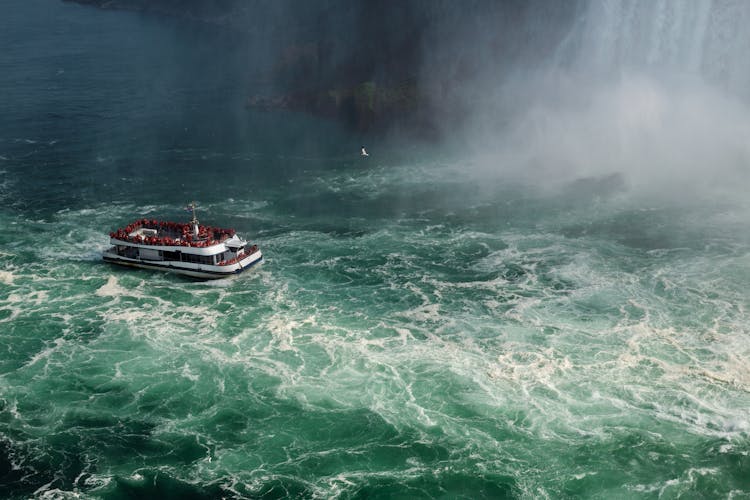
<point>654,92</point>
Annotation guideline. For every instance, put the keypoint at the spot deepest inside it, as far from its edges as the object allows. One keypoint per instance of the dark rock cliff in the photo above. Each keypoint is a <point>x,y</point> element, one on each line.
<point>378,63</point>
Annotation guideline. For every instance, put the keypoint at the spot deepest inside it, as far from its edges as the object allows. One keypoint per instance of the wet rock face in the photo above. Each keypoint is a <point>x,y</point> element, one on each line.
<point>336,59</point>
<point>369,64</point>
<point>363,106</point>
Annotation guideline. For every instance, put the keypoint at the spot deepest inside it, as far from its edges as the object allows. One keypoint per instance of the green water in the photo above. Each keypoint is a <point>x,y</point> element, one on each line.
<point>414,331</point>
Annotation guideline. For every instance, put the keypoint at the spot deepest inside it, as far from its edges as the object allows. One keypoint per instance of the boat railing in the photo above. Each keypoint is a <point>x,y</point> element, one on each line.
<point>249,250</point>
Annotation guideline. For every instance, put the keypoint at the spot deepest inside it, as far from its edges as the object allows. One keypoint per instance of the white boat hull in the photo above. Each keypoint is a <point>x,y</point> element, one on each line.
<point>202,271</point>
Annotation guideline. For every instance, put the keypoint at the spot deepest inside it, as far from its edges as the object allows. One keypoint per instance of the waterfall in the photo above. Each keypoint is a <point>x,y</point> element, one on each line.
<point>707,39</point>
<point>656,92</point>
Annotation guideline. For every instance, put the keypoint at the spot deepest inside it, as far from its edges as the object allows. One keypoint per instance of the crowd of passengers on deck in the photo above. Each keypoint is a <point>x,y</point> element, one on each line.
<point>178,234</point>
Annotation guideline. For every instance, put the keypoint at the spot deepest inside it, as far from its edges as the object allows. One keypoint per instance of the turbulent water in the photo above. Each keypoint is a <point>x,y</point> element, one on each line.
<point>415,331</point>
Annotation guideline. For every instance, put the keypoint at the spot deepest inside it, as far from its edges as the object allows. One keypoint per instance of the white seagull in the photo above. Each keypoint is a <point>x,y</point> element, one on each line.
<point>364,152</point>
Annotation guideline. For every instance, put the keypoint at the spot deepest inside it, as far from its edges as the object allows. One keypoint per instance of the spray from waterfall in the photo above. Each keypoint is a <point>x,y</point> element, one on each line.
<point>655,92</point>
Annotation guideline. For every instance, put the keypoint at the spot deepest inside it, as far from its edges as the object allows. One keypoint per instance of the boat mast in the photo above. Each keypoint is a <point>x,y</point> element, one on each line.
<point>194,220</point>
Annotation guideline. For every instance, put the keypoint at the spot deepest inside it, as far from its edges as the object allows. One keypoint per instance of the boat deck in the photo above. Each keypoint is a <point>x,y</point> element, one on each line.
<point>166,233</point>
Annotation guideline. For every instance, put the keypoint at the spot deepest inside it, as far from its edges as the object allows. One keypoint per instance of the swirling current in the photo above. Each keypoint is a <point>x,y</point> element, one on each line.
<point>414,331</point>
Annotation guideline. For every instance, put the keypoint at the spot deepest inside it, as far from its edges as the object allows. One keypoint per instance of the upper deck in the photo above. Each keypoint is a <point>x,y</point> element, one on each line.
<point>166,233</point>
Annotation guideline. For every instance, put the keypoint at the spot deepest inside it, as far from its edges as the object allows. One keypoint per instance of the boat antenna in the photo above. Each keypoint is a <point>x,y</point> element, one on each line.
<point>194,220</point>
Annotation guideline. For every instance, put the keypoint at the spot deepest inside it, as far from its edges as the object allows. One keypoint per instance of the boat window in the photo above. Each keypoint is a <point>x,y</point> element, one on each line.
<point>197,259</point>
<point>171,255</point>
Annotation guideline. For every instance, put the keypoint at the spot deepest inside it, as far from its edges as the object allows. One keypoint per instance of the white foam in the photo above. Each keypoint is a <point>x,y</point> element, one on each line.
<point>47,352</point>
<point>423,313</point>
<point>189,374</point>
<point>14,313</point>
<point>111,289</point>
<point>6,277</point>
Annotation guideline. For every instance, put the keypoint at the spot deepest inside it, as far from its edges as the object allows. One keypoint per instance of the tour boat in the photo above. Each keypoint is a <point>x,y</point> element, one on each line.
<point>185,248</point>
